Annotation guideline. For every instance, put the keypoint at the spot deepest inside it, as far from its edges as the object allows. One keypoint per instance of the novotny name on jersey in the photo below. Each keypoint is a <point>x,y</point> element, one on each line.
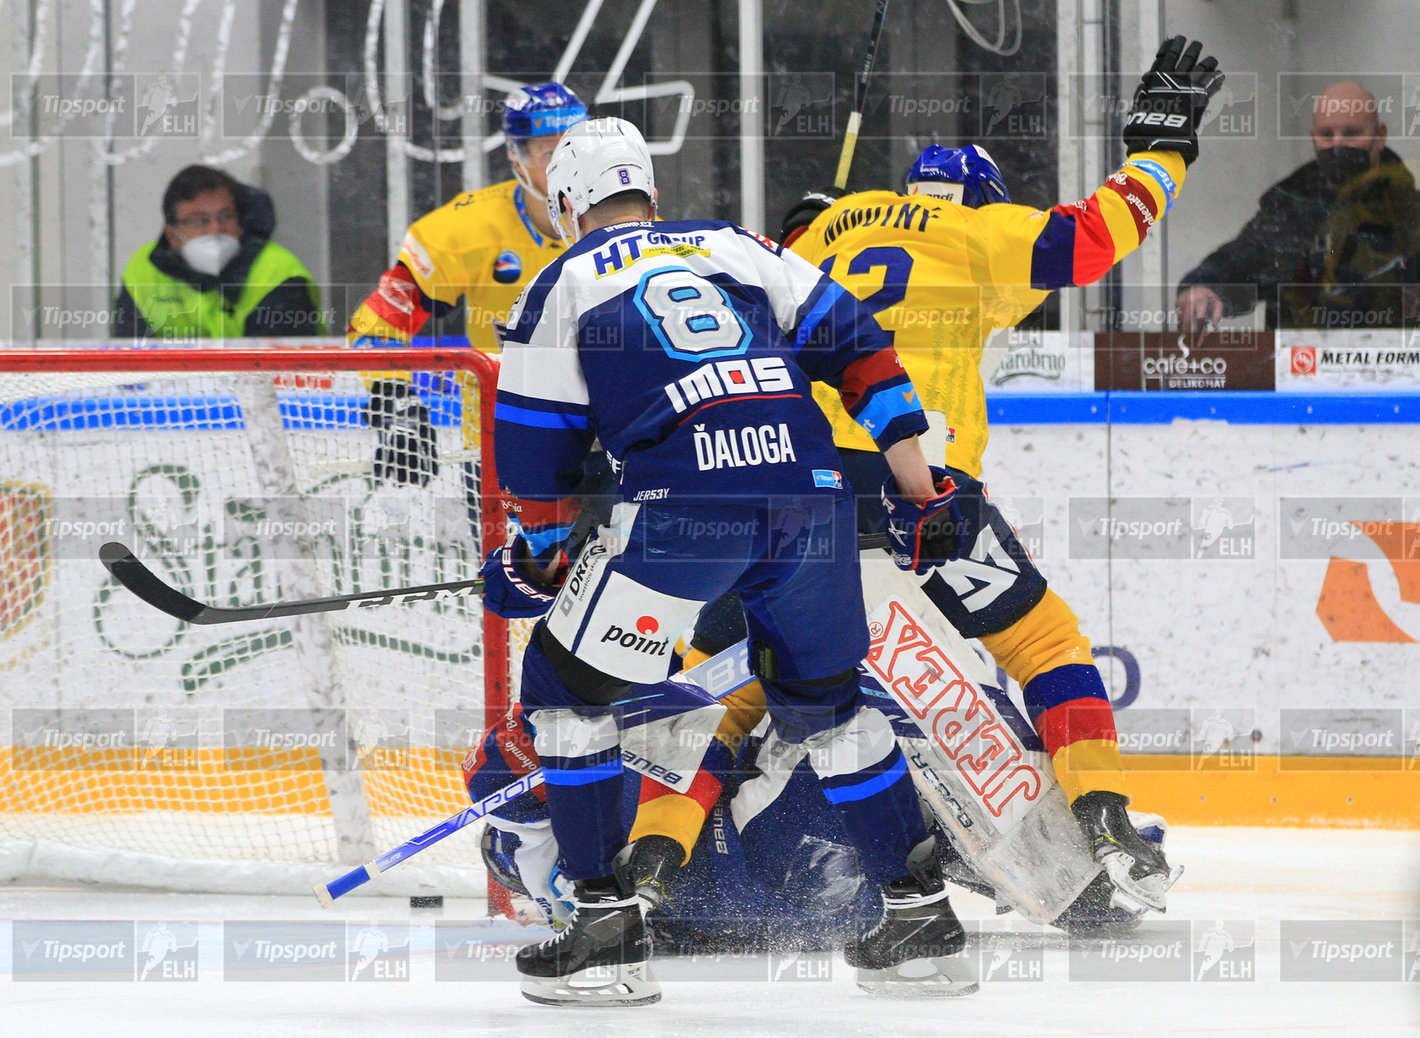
<point>738,448</point>
<point>730,378</point>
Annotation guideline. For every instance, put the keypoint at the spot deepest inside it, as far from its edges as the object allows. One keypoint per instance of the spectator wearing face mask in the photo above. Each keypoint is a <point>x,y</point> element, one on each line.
<point>214,272</point>
<point>1332,245</point>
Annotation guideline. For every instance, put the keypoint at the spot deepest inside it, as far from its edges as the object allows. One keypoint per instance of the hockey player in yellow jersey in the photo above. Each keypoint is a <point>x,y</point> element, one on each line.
<point>482,247</point>
<point>943,265</point>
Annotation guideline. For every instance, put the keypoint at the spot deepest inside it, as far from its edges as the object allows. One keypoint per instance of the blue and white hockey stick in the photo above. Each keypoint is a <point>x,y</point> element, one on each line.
<point>326,893</point>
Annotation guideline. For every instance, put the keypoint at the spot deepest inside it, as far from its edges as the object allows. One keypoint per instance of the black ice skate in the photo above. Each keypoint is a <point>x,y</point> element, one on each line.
<point>916,949</point>
<point>648,867</point>
<point>598,958</point>
<point>1136,867</point>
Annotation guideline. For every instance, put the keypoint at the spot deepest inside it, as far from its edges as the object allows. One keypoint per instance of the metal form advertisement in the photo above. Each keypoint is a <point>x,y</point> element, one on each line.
<point>1379,360</point>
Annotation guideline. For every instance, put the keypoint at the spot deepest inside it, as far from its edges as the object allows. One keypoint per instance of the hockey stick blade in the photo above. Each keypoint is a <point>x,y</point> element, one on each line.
<point>326,893</point>
<point>144,583</point>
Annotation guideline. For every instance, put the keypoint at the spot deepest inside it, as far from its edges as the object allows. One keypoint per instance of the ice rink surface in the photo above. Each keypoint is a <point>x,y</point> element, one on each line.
<point>1250,909</point>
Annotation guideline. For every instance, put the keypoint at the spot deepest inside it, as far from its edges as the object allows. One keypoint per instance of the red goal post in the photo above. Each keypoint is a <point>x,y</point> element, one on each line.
<point>57,405</point>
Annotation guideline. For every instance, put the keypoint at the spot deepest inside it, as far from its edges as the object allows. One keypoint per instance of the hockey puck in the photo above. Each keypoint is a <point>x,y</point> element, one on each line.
<point>428,901</point>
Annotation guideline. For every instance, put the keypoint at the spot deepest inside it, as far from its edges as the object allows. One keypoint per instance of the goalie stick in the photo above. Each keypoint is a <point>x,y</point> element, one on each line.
<point>860,97</point>
<point>148,586</point>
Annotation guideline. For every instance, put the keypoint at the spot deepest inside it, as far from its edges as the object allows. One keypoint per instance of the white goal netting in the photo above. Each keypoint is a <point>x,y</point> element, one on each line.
<point>251,756</point>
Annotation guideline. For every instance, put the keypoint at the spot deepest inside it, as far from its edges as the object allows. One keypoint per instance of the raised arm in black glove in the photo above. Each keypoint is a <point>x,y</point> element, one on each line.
<point>1169,104</point>
<point>407,452</point>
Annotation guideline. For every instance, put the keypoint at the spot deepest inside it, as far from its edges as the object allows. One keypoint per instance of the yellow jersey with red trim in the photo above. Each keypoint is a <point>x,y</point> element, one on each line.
<point>941,277</point>
<point>482,247</point>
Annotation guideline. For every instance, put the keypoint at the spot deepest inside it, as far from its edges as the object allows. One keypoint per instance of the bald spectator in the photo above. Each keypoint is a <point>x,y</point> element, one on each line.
<point>1333,245</point>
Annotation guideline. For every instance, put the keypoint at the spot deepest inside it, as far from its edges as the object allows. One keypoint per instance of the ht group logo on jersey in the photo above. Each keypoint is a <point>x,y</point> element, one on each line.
<point>1224,951</point>
<point>1372,579</point>
<point>1157,951</point>
<point>1341,950</point>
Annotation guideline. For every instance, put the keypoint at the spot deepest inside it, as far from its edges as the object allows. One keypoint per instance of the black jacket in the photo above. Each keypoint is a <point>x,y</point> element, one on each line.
<point>286,310</point>
<point>1318,257</point>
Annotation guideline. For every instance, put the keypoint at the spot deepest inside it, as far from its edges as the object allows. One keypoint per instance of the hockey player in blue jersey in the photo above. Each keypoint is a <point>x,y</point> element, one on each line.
<point>687,348</point>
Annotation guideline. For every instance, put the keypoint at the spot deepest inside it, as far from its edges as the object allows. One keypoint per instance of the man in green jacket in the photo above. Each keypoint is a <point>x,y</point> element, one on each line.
<point>214,271</point>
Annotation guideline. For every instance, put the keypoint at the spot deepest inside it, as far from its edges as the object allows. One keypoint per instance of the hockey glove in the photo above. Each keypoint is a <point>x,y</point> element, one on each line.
<point>1169,104</point>
<point>926,536</point>
<point>508,590</point>
<point>407,452</point>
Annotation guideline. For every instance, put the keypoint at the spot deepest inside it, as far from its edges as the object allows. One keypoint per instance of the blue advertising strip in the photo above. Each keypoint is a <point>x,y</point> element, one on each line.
<point>298,411</point>
<point>307,410</point>
<point>1237,408</point>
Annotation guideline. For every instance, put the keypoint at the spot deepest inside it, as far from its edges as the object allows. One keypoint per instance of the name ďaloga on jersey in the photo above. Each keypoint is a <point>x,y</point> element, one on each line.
<point>698,341</point>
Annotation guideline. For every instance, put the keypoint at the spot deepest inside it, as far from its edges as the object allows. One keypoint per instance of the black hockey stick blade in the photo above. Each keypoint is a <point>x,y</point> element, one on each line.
<point>139,579</point>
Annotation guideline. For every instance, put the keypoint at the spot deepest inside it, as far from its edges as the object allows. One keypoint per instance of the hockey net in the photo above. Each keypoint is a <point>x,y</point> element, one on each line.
<point>248,757</point>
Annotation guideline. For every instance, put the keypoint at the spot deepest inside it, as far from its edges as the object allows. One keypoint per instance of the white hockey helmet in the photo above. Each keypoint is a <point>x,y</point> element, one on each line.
<point>593,161</point>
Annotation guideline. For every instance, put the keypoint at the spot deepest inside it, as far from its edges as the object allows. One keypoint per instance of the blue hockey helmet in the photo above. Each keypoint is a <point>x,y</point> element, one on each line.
<point>540,110</point>
<point>964,175</point>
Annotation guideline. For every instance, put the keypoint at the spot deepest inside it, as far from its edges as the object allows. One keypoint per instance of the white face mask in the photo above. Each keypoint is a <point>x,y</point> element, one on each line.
<point>210,253</point>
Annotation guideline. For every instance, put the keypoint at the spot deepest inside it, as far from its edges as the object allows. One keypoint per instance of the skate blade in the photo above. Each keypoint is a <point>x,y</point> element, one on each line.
<point>940,977</point>
<point>1138,895</point>
<point>630,984</point>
